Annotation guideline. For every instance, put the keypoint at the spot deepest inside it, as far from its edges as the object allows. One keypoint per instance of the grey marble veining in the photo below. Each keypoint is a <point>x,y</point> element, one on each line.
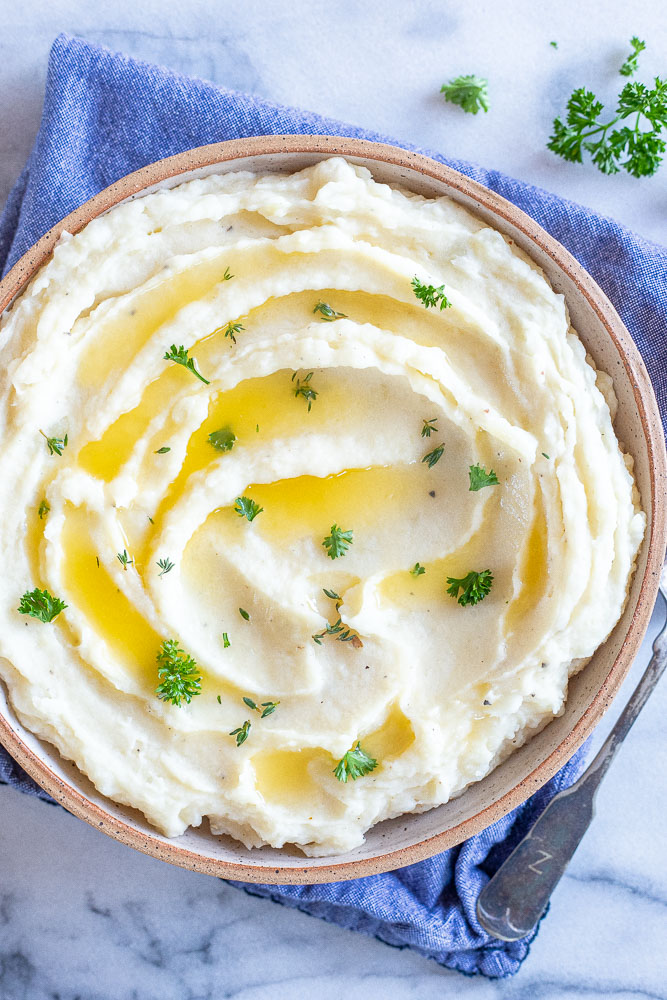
<point>83,918</point>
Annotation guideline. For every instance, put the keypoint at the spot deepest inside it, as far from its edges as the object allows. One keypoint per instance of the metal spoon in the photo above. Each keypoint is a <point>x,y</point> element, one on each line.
<point>515,898</point>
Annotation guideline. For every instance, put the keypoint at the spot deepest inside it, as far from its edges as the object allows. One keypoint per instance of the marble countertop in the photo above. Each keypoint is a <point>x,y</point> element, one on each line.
<point>80,915</point>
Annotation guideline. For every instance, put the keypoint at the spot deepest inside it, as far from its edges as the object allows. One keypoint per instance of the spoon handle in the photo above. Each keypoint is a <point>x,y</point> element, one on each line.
<point>514,899</point>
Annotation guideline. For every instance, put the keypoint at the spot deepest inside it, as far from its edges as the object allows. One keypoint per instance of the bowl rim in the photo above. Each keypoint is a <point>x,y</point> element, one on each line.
<point>240,149</point>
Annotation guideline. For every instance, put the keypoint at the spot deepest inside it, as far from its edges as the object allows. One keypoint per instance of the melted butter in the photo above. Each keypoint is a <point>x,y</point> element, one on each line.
<point>392,739</point>
<point>94,593</point>
<point>533,573</point>
<point>282,776</point>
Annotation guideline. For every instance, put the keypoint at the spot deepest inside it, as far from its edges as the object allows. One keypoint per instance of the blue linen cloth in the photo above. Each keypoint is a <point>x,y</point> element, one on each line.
<point>106,115</point>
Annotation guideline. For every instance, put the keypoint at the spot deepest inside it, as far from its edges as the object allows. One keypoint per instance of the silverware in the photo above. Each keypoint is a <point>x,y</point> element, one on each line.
<point>515,898</point>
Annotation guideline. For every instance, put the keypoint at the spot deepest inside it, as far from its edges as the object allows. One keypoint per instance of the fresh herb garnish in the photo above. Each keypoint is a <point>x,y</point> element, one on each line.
<point>470,92</point>
<point>302,388</point>
<point>544,455</point>
<point>165,565</point>
<point>327,313</point>
<point>55,445</point>
<point>266,708</point>
<point>479,478</point>
<point>354,764</point>
<point>332,594</point>
<point>219,700</point>
<point>245,507</point>
<point>241,733</point>
<point>43,509</point>
<point>179,356</point>
<point>124,559</point>
<point>630,65</point>
<point>41,604</point>
<point>244,614</point>
<point>635,149</point>
<point>474,586</point>
<point>338,542</point>
<point>429,427</point>
<point>429,295</point>
<point>232,329</point>
<point>434,456</point>
<point>225,641</point>
<point>554,45</point>
<point>222,439</point>
<point>342,633</point>
<point>227,276</point>
<point>417,569</point>
<point>162,451</point>
<point>178,673</point>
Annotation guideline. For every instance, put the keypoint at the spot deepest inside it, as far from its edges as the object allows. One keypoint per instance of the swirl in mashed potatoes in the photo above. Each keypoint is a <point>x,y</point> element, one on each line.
<point>436,693</point>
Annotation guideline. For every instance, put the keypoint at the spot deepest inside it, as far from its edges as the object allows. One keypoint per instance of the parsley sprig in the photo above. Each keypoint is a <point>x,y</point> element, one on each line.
<point>327,313</point>
<point>474,586</point>
<point>630,67</point>
<point>179,356</point>
<point>178,673</point>
<point>418,569</point>
<point>479,478</point>
<point>354,764</point>
<point>429,295</point>
<point>246,507</point>
<point>55,445</point>
<point>470,92</point>
<point>303,388</point>
<point>636,148</point>
<point>41,604</point>
<point>338,542</point>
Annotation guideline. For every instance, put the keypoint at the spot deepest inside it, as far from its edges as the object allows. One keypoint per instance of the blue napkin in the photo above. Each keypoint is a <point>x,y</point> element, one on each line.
<point>106,115</point>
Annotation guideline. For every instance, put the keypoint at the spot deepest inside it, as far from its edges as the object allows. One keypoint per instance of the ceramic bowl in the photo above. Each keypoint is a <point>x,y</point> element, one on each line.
<point>408,838</point>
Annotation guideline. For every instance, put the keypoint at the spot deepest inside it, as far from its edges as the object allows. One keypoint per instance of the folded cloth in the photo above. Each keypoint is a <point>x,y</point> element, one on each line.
<point>106,115</point>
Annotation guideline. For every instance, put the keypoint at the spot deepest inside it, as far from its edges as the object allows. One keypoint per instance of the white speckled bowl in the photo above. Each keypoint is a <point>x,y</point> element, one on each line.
<point>409,838</point>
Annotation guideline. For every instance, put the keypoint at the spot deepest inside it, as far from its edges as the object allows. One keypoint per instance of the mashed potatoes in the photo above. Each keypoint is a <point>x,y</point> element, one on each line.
<point>241,420</point>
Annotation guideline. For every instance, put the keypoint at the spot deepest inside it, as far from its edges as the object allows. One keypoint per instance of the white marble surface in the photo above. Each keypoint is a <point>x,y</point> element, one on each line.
<point>83,917</point>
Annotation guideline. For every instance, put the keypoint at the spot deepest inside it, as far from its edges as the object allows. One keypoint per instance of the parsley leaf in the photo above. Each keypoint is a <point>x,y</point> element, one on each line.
<point>232,329</point>
<point>302,388</point>
<point>179,356</point>
<point>470,92</point>
<point>638,150</point>
<point>338,542</point>
<point>222,439</point>
<point>241,733</point>
<point>327,313</point>
<point>630,65</point>
<point>474,586</point>
<point>162,451</point>
<point>165,566</point>
<point>430,295</point>
<point>41,604</point>
<point>479,478</point>
<point>245,507</point>
<point>434,456</point>
<point>244,614</point>
<point>55,445</point>
<point>354,764</point>
<point>554,45</point>
<point>178,673</point>
<point>43,509</point>
<point>124,559</point>
<point>417,569</point>
<point>429,427</point>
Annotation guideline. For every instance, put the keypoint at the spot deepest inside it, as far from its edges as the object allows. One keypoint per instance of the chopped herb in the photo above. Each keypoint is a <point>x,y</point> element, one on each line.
<point>354,764</point>
<point>124,559</point>
<point>41,604</point>
<point>418,569</point>
<point>225,641</point>
<point>342,633</point>
<point>630,67</point>
<point>554,45</point>
<point>479,478</point>
<point>179,356</point>
<point>55,445</point>
<point>338,542</point>
<point>232,329</point>
<point>257,428</point>
<point>162,451</point>
<point>429,295</point>
<point>227,276</point>
<point>219,700</point>
<point>470,92</point>
<point>327,313</point>
<point>222,439</point>
<point>165,566</point>
<point>97,560</point>
<point>332,594</point>
<point>434,456</point>
<point>178,673</point>
<point>244,614</point>
<point>635,149</point>
<point>544,455</point>
<point>150,518</point>
<point>429,427</point>
<point>302,388</point>
<point>245,507</point>
<point>266,708</point>
<point>241,733</point>
<point>43,509</point>
<point>474,586</point>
